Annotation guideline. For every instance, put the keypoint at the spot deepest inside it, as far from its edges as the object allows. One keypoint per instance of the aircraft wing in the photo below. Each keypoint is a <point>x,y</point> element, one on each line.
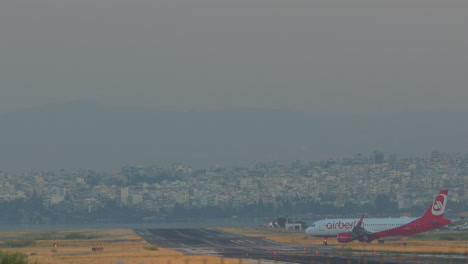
<point>360,232</point>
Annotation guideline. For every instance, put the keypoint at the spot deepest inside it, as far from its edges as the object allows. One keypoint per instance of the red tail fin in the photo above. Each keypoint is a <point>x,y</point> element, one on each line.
<point>437,208</point>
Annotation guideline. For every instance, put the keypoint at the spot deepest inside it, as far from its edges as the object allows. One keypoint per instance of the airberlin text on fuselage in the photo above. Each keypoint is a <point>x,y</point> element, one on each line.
<point>340,225</point>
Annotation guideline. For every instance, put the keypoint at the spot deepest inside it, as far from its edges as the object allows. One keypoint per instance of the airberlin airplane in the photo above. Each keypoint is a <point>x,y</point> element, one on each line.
<point>366,230</point>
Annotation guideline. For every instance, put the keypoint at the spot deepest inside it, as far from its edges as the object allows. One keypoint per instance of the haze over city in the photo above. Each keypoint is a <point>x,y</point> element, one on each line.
<point>180,131</point>
<point>323,79</point>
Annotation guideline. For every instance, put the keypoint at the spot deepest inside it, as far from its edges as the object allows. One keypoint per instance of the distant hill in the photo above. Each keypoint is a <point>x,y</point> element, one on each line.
<point>86,134</point>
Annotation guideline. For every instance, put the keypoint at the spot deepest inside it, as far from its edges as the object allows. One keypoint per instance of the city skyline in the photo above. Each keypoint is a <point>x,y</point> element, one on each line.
<point>357,184</point>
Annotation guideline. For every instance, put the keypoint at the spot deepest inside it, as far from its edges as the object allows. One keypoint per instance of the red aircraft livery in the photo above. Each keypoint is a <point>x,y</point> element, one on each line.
<point>366,230</point>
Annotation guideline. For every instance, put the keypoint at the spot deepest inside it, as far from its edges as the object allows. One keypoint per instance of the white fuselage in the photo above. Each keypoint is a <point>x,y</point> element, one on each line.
<point>332,227</point>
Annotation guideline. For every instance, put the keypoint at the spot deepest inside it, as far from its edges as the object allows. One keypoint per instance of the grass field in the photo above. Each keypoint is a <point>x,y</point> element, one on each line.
<point>123,246</point>
<point>120,246</point>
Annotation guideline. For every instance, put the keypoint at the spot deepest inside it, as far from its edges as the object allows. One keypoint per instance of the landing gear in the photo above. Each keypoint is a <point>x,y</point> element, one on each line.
<point>325,242</point>
<point>381,241</point>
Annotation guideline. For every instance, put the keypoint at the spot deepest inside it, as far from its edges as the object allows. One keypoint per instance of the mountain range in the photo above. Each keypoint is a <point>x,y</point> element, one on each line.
<point>91,135</point>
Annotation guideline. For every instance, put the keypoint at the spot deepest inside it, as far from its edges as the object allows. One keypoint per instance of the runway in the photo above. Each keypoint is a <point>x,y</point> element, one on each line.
<point>209,241</point>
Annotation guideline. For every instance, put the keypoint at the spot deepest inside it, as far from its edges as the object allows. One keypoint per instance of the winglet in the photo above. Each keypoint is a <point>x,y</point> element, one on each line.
<point>360,220</point>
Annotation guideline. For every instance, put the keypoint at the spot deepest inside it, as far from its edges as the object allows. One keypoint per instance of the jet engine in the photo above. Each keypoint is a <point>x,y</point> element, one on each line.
<point>363,239</point>
<point>344,237</point>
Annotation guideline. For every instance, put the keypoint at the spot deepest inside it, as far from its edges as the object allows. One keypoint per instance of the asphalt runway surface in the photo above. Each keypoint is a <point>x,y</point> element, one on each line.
<point>210,241</point>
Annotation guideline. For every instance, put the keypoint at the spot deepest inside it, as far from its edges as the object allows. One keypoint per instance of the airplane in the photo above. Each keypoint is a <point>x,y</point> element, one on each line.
<point>347,230</point>
<point>459,227</point>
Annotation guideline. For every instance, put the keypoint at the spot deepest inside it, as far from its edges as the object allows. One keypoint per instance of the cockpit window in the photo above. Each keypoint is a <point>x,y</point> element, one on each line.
<point>313,225</point>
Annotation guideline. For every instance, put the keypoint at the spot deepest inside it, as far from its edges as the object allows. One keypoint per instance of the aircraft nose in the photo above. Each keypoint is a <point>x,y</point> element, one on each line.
<point>308,230</point>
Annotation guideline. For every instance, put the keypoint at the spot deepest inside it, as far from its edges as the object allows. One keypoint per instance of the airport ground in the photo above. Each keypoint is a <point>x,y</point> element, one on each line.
<point>222,246</point>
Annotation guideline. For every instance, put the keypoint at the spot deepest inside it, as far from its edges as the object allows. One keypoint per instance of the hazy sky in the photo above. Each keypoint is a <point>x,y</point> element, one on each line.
<point>325,56</point>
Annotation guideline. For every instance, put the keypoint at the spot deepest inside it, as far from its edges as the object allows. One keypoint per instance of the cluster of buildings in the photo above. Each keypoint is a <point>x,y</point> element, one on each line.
<point>157,190</point>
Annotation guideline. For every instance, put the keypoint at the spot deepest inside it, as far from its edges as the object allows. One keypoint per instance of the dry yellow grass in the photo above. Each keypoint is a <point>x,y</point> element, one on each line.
<point>120,246</point>
<point>413,246</point>
<point>124,246</point>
